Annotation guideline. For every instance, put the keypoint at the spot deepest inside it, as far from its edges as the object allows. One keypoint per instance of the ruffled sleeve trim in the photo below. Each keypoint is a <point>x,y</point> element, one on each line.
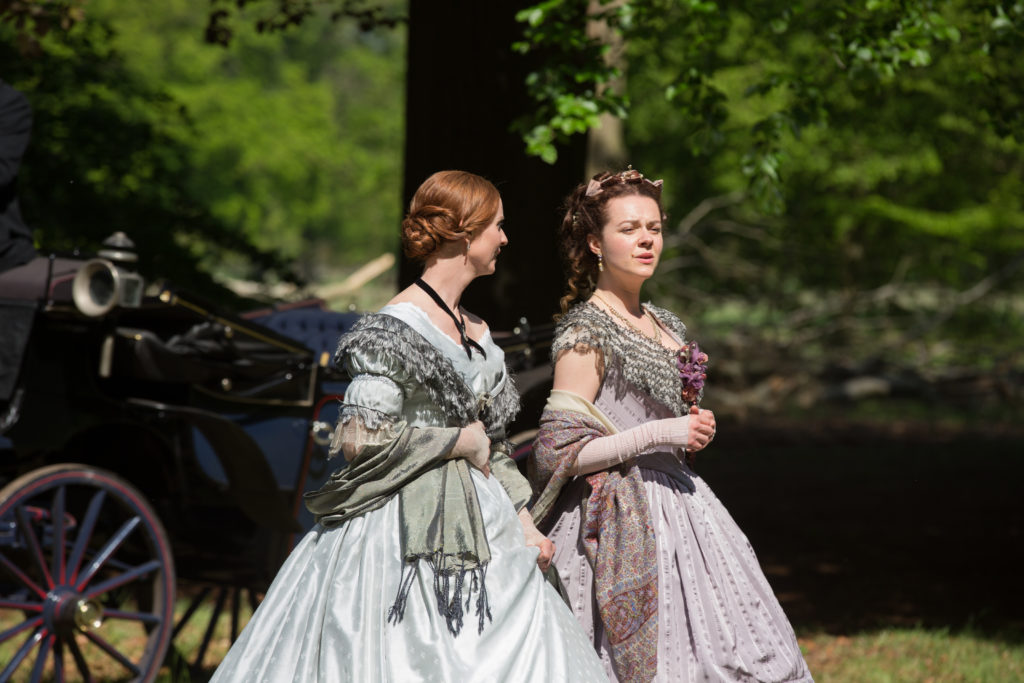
<point>385,345</point>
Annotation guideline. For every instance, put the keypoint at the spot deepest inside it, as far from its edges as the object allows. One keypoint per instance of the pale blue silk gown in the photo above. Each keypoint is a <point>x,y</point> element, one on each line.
<point>324,617</point>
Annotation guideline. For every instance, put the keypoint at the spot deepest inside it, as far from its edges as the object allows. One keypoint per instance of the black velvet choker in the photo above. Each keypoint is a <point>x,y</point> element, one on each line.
<point>460,324</point>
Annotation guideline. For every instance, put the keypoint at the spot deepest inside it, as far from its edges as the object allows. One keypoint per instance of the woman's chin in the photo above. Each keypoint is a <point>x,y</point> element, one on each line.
<point>487,270</point>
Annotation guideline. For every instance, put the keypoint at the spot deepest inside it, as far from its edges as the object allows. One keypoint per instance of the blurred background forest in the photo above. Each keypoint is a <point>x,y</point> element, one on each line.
<point>844,183</point>
<point>277,158</point>
<point>845,190</point>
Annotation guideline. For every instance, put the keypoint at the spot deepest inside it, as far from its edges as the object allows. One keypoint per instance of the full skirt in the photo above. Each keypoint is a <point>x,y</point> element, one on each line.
<point>718,619</point>
<point>324,617</point>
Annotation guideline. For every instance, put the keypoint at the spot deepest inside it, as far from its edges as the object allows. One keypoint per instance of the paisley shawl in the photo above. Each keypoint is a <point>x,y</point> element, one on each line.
<point>616,533</point>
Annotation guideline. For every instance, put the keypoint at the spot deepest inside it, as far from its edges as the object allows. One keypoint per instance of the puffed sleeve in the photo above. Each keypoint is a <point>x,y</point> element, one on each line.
<point>371,413</point>
<point>583,330</point>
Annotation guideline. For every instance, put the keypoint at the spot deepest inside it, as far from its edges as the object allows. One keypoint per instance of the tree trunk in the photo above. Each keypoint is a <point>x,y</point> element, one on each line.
<point>464,89</point>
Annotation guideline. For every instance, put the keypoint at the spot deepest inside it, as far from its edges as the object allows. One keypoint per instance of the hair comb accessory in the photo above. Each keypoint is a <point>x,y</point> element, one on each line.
<point>629,176</point>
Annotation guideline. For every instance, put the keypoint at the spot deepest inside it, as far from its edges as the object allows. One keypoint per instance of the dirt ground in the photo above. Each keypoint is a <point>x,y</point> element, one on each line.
<point>860,525</point>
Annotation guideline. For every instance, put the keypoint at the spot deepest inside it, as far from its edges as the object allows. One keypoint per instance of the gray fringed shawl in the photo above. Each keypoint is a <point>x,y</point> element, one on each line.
<point>440,515</point>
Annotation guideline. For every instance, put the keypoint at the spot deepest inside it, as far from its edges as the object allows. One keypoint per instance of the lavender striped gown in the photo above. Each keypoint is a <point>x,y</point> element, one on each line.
<point>718,619</point>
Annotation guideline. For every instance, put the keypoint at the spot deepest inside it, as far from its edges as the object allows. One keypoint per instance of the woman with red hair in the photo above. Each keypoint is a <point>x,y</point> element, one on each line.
<point>424,563</point>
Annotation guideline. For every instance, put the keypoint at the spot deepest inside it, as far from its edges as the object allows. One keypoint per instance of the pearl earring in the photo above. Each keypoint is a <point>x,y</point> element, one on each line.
<point>600,263</point>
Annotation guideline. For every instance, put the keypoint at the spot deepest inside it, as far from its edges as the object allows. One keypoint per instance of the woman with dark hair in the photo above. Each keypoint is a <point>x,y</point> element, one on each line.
<point>657,572</point>
<point>424,562</point>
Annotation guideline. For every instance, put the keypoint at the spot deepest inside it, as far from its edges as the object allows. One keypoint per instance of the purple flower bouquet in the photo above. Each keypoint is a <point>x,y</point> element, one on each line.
<point>692,364</point>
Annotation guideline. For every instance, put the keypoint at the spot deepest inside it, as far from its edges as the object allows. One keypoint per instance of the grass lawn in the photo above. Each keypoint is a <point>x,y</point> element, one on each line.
<point>912,655</point>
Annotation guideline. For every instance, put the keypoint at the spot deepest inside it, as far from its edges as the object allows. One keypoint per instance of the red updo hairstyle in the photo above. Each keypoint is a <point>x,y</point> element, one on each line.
<point>449,205</point>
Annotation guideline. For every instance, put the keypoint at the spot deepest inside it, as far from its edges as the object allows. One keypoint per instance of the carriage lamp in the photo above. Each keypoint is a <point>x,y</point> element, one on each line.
<point>109,280</point>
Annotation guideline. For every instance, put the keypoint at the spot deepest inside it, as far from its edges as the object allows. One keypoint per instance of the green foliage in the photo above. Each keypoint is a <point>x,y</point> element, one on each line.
<point>572,90</point>
<point>870,215</point>
<point>296,136</point>
<point>269,16</point>
<point>104,157</point>
<point>28,21</point>
<point>798,53</point>
<point>280,152</point>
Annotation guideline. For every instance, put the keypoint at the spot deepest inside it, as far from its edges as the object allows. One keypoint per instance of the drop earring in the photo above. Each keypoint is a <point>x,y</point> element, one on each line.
<point>600,263</point>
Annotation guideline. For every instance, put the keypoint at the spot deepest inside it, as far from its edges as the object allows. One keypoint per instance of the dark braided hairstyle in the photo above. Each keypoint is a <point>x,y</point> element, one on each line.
<point>586,215</point>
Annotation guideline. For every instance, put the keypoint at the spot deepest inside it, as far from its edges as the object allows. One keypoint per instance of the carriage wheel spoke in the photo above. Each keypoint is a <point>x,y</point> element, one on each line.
<point>236,607</point>
<point>76,652</point>
<point>33,543</point>
<point>44,651</point>
<point>214,618</point>
<point>58,661</point>
<point>108,549</point>
<point>193,606</point>
<point>21,577</point>
<point>84,535</point>
<point>22,652</point>
<point>144,617</point>
<point>57,516</point>
<point>112,651</point>
<point>34,622</point>
<point>121,579</point>
<point>23,606</point>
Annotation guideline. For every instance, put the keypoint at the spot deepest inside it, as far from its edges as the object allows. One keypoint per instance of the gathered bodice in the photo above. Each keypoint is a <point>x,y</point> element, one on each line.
<point>387,384</point>
<point>485,376</point>
<point>626,357</point>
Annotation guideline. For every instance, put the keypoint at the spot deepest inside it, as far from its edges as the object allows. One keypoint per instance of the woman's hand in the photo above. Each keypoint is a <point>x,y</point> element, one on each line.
<point>701,431</point>
<point>537,540</point>
<point>474,446</point>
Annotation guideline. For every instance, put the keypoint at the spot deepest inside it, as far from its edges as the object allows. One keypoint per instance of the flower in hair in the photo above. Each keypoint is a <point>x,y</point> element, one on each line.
<point>627,177</point>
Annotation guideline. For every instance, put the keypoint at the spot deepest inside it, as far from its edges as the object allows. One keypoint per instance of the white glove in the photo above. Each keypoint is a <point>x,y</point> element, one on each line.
<point>608,451</point>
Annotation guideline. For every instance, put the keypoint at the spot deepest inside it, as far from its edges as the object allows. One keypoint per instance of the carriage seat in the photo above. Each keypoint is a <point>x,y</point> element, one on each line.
<point>312,325</point>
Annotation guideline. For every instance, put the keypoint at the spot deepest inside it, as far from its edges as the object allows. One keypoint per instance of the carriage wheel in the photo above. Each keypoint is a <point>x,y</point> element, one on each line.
<point>228,609</point>
<point>86,578</point>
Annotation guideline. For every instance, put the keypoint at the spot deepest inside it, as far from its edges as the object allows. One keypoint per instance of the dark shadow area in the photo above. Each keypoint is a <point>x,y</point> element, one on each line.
<point>863,525</point>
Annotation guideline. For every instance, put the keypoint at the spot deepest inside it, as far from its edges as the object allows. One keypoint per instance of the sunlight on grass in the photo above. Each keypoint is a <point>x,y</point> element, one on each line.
<point>912,656</point>
<point>887,656</point>
<point>129,638</point>
<point>190,639</point>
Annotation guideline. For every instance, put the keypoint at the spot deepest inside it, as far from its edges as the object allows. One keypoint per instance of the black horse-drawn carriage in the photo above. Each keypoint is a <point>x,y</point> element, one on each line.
<point>150,439</point>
